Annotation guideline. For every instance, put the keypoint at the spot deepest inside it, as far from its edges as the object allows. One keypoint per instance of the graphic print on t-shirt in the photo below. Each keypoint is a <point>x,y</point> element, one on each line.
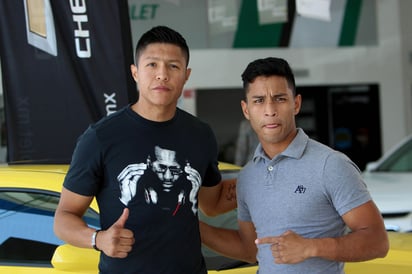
<point>168,186</point>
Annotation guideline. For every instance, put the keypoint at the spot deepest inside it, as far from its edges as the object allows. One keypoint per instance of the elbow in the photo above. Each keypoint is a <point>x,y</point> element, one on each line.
<point>250,254</point>
<point>384,249</point>
<point>380,249</point>
<point>56,229</point>
<point>58,226</point>
<point>250,259</point>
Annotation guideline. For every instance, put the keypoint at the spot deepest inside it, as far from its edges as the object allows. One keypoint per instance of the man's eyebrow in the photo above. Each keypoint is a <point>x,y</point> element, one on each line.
<point>274,95</point>
<point>279,94</point>
<point>155,58</point>
<point>257,95</point>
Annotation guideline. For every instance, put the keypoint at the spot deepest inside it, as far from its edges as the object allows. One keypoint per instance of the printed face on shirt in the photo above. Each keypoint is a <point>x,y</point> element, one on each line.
<point>168,171</point>
<point>160,74</point>
<point>166,167</point>
<point>271,108</point>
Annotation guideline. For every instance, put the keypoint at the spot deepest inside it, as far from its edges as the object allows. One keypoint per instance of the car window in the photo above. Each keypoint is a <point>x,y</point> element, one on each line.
<point>26,225</point>
<point>399,161</point>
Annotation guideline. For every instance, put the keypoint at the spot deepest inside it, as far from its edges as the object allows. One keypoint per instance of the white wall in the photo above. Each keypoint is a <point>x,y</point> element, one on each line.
<point>406,57</point>
<point>386,64</point>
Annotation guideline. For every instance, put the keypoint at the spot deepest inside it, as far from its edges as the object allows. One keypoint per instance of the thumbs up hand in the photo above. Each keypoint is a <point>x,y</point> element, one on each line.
<point>116,241</point>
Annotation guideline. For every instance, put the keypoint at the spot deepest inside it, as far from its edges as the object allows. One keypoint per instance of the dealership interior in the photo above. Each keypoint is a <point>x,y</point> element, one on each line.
<point>351,59</point>
<point>352,62</point>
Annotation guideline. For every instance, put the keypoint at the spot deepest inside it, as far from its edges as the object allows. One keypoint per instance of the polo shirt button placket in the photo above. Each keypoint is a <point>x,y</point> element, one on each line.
<point>270,175</point>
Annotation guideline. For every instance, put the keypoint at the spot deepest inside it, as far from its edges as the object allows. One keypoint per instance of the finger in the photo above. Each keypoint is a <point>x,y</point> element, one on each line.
<point>266,240</point>
<point>127,237</point>
<point>122,219</point>
<point>131,170</point>
<point>121,255</point>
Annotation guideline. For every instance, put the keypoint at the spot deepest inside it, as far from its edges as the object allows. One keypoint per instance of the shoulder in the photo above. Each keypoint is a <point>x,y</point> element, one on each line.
<point>118,121</point>
<point>305,149</point>
<point>186,118</point>
<point>329,156</point>
<point>111,118</point>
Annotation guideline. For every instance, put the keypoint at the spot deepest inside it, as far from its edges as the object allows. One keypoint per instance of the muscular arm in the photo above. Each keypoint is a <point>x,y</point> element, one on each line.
<point>236,244</point>
<point>69,226</point>
<point>367,240</point>
<point>218,199</point>
<point>68,223</point>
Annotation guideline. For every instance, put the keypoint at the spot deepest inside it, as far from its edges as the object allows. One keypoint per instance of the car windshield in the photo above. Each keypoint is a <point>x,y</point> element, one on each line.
<point>399,161</point>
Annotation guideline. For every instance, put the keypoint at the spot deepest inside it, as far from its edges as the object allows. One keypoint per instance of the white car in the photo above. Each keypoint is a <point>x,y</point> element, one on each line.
<point>389,181</point>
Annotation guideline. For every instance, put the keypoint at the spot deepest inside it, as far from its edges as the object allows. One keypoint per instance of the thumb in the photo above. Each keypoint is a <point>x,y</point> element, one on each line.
<point>122,219</point>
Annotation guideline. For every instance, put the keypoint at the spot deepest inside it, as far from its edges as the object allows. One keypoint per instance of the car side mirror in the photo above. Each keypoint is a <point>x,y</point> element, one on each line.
<point>70,258</point>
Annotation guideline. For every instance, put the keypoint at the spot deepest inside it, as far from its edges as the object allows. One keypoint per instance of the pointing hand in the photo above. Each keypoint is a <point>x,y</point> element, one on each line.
<point>288,248</point>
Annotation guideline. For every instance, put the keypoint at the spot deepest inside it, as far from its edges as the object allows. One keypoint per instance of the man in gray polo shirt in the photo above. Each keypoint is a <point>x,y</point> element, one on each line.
<point>297,198</point>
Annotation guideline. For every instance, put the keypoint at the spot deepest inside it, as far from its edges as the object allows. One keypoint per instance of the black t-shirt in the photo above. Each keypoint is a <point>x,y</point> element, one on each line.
<point>155,169</point>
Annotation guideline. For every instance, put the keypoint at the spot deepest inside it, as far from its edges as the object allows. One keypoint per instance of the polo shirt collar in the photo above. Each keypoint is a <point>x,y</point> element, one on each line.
<point>294,150</point>
<point>297,146</point>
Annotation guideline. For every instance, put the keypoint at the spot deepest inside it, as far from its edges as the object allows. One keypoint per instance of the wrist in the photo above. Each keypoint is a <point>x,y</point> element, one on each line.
<point>94,238</point>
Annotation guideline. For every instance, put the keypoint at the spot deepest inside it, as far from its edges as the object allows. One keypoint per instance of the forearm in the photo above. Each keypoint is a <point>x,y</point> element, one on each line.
<point>73,230</point>
<point>219,199</point>
<point>361,245</point>
<point>228,201</point>
<point>227,242</point>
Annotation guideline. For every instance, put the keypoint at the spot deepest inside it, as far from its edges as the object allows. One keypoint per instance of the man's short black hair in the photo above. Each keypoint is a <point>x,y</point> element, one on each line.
<point>162,34</point>
<point>269,66</point>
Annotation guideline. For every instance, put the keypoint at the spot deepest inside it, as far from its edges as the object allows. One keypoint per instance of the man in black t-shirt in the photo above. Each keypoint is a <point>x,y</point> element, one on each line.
<point>150,166</point>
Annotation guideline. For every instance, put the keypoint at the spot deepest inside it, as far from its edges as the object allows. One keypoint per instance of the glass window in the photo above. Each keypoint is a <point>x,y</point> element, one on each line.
<point>26,225</point>
<point>400,160</point>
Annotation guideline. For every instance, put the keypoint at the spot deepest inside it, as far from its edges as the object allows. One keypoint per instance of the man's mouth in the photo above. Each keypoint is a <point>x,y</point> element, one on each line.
<point>273,125</point>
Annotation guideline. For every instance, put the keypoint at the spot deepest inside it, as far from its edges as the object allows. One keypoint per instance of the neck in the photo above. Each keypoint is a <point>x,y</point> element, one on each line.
<point>154,113</point>
<point>275,148</point>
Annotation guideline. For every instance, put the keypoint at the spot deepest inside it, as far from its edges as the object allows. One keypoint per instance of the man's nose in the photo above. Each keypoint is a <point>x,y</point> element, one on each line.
<point>162,73</point>
<point>270,108</point>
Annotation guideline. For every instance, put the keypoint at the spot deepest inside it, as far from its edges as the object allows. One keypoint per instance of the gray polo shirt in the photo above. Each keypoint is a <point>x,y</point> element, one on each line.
<point>306,188</point>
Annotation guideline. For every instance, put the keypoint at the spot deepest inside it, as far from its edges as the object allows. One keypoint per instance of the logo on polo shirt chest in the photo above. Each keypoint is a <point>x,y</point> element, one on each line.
<point>300,189</point>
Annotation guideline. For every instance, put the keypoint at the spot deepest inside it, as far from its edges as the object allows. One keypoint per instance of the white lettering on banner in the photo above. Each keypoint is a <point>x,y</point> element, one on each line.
<point>110,102</point>
<point>81,35</point>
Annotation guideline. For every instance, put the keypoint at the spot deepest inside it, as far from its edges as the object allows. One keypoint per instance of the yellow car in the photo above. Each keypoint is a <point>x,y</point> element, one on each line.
<point>29,195</point>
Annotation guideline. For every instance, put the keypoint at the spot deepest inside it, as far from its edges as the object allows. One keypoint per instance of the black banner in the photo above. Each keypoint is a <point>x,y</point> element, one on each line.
<point>65,64</point>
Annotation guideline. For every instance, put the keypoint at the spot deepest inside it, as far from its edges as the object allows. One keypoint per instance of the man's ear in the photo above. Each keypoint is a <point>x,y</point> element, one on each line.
<point>188,72</point>
<point>133,70</point>
<point>243,105</point>
<point>298,103</point>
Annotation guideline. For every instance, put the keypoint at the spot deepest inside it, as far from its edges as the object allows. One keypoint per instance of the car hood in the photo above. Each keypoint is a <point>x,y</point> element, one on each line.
<point>390,191</point>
